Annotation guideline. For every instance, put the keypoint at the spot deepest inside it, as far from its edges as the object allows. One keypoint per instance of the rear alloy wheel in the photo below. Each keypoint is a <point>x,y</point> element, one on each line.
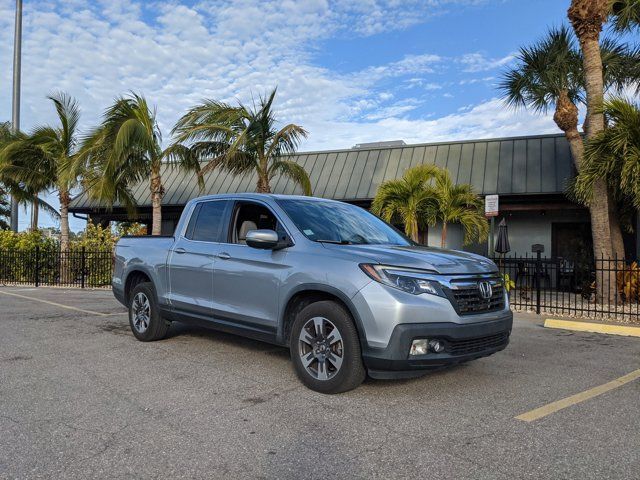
<point>144,315</point>
<point>325,348</point>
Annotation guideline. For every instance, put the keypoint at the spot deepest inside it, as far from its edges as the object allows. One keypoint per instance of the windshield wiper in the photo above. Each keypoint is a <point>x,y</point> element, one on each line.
<point>337,242</point>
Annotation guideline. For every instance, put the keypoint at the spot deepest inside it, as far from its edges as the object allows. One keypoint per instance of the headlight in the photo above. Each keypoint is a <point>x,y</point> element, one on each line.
<point>406,279</point>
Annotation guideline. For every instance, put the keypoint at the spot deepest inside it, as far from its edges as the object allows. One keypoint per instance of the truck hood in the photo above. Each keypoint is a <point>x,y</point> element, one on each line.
<point>427,258</point>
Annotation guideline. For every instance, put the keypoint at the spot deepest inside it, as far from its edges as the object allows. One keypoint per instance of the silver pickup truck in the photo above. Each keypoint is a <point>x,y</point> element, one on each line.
<point>347,293</point>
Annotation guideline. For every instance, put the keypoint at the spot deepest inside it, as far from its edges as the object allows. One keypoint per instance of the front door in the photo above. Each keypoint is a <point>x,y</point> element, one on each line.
<point>247,280</point>
<point>192,258</point>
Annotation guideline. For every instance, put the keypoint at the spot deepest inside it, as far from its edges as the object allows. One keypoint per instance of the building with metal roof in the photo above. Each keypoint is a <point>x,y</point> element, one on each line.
<point>529,173</point>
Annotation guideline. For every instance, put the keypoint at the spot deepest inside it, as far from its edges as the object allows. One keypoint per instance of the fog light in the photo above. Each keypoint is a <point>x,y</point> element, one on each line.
<point>436,346</point>
<point>419,347</point>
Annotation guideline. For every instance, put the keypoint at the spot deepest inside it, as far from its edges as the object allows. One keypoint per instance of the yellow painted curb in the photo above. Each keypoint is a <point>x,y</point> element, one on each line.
<point>593,327</point>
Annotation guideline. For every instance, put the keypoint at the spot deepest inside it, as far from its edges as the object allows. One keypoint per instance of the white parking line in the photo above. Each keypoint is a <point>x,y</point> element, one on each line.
<point>68,307</point>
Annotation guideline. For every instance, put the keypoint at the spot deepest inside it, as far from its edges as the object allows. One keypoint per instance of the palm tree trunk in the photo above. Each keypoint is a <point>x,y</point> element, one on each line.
<point>65,270</point>
<point>263,185</point>
<point>65,199</point>
<point>616,231</point>
<point>566,118</point>
<point>587,18</point>
<point>35,210</point>
<point>443,237</point>
<point>413,230</point>
<point>156,201</point>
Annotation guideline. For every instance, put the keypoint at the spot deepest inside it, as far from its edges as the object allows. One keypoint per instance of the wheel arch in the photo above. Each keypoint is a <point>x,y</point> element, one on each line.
<point>133,278</point>
<point>307,294</point>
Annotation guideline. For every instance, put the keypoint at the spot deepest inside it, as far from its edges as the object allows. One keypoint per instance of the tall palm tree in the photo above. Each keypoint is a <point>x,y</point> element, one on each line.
<point>43,160</point>
<point>456,204</point>
<point>550,74</point>
<point>242,139</point>
<point>407,200</point>
<point>125,149</point>
<point>614,154</point>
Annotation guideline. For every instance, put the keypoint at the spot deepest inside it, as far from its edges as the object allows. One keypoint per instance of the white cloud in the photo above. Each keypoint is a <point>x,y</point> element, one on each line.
<point>478,62</point>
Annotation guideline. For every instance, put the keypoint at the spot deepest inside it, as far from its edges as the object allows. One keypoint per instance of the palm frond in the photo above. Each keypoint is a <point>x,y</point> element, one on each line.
<point>294,171</point>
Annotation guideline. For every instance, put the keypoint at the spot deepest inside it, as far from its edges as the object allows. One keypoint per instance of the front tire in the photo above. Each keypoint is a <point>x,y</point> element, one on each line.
<point>144,315</point>
<point>325,348</point>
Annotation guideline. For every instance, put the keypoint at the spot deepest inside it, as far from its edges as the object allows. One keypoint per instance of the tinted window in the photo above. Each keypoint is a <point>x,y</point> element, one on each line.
<point>209,218</point>
<point>340,223</point>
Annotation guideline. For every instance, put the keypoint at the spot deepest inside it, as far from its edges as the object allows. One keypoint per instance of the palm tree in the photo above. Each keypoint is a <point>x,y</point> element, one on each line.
<point>407,200</point>
<point>456,204</point>
<point>241,139</point>
<point>550,74</point>
<point>626,15</point>
<point>614,154</point>
<point>18,187</point>
<point>43,160</point>
<point>126,149</point>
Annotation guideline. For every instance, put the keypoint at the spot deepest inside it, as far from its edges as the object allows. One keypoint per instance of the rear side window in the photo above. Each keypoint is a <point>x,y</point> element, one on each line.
<point>207,221</point>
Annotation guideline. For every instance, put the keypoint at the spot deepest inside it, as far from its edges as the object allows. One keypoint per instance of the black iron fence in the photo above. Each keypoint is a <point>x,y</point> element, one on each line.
<point>605,288</point>
<point>39,266</point>
<point>601,289</point>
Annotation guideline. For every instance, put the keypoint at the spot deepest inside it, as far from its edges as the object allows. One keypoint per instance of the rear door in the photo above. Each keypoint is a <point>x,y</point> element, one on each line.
<point>192,257</point>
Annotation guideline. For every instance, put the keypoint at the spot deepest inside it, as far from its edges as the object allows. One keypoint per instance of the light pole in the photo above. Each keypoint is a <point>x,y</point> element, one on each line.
<point>15,111</point>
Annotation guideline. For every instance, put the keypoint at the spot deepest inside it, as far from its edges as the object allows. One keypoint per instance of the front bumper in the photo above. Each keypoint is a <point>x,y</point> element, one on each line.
<point>463,342</point>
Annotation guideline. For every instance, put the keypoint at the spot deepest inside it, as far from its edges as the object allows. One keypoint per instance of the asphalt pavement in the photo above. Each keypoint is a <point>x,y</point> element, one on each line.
<point>81,398</point>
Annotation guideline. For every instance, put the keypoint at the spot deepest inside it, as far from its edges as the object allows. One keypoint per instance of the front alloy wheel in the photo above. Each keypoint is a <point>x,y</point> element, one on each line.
<point>320,348</point>
<point>325,348</point>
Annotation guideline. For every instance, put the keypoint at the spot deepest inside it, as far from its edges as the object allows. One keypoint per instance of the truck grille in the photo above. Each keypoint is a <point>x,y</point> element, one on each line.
<point>468,300</point>
<point>472,345</point>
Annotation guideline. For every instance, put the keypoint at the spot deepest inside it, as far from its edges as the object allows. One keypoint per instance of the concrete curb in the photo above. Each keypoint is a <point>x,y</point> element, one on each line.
<point>606,328</point>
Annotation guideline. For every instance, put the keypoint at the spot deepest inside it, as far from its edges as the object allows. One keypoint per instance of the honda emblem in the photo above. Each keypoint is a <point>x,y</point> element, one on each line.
<point>485,290</point>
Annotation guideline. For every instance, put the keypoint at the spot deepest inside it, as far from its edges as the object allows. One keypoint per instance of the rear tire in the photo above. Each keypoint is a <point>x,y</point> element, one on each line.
<point>325,348</point>
<point>144,315</point>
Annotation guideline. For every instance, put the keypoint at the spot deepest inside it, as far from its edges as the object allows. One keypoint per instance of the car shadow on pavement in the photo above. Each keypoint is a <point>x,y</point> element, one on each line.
<point>178,329</point>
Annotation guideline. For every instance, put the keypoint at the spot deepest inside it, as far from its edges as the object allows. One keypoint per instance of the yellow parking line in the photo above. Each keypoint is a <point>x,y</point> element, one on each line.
<point>578,326</point>
<point>68,307</point>
<point>578,398</point>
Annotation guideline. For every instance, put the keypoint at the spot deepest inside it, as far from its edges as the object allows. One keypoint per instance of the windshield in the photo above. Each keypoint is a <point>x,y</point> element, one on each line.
<point>336,222</point>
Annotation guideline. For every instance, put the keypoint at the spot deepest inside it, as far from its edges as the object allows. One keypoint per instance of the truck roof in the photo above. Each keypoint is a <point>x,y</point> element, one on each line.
<point>252,195</point>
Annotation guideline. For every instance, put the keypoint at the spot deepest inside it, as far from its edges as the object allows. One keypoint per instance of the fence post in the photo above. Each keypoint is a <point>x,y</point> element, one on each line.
<point>538,271</point>
<point>82,266</point>
<point>37,269</point>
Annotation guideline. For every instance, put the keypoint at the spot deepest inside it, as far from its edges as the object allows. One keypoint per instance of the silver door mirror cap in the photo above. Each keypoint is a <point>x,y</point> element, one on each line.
<point>262,239</point>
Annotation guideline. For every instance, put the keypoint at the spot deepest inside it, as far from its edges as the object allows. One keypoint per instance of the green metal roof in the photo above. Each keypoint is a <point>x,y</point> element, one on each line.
<point>508,166</point>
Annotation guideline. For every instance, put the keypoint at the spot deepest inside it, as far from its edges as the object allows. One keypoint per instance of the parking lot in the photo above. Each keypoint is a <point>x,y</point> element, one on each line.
<point>81,398</point>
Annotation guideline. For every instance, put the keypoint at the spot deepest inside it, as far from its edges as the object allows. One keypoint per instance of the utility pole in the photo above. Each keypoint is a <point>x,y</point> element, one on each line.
<point>15,112</point>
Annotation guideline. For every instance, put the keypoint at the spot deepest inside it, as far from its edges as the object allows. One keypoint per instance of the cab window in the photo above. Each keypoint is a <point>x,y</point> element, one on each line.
<point>207,221</point>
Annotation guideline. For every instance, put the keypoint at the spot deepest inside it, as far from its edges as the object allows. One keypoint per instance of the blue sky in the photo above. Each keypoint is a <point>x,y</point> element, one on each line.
<point>349,71</point>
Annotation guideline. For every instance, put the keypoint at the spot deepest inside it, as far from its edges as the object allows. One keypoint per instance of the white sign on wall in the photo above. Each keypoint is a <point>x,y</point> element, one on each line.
<point>491,206</point>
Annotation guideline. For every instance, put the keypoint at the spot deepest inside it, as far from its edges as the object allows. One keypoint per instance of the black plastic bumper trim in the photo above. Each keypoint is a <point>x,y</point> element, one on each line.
<point>394,360</point>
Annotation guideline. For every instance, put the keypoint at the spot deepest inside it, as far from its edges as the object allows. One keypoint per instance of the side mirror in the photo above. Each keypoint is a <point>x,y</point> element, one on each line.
<point>262,239</point>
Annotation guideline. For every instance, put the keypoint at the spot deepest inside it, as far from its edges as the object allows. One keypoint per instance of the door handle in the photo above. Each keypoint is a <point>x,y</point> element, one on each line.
<point>180,251</point>
<point>223,256</point>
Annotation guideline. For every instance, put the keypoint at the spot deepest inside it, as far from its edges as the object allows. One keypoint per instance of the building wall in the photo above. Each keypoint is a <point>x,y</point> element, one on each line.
<point>524,228</point>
